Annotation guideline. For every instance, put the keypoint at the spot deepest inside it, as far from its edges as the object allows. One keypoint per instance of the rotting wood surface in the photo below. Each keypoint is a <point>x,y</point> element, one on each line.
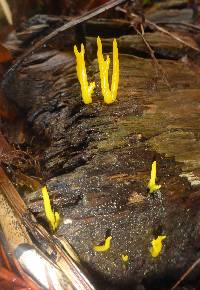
<point>99,158</point>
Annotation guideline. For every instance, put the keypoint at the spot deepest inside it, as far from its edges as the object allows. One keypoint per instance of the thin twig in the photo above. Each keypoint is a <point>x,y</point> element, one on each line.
<point>186,274</point>
<point>151,51</point>
<point>5,258</point>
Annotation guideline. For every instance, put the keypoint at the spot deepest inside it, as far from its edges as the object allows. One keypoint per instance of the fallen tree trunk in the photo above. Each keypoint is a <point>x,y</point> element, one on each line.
<point>99,159</point>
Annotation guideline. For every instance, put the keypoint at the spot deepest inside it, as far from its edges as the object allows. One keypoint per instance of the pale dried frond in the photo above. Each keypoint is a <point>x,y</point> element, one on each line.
<point>6,9</point>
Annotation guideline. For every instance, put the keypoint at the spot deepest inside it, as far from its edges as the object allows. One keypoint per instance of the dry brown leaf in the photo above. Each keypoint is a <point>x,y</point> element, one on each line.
<point>4,54</point>
<point>7,11</point>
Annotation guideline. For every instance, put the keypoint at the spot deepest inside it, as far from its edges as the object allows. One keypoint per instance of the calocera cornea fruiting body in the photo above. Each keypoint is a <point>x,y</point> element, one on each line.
<point>124,258</point>
<point>157,246</point>
<point>52,217</point>
<point>105,246</point>
<point>87,90</point>
<point>109,95</point>
<point>152,186</point>
<point>115,75</point>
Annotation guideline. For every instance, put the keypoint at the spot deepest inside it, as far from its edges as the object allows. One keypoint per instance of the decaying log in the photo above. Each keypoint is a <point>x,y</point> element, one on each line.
<point>98,159</point>
<point>174,15</point>
<point>163,45</point>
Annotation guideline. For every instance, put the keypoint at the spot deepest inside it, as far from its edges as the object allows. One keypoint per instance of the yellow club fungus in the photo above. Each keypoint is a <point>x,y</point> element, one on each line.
<point>109,95</point>
<point>52,217</point>
<point>86,89</point>
<point>156,246</point>
<point>124,258</point>
<point>105,246</point>
<point>152,186</point>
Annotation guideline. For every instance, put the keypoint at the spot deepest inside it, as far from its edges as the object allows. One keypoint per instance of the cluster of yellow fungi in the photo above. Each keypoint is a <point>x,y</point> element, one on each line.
<point>109,94</point>
<point>106,246</point>
<point>156,244</point>
<point>53,219</point>
<point>155,250</point>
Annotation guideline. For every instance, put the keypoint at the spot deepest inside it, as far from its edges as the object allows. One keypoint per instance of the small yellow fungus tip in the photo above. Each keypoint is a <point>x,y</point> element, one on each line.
<point>87,90</point>
<point>156,246</point>
<point>109,95</point>
<point>52,217</point>
<point>124,258</point>
<point>152,186</point>
<point>105,246</point>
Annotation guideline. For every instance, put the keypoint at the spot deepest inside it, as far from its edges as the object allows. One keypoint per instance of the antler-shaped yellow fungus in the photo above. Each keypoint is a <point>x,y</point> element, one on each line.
<point>156,246</point>
<point>152,186</point>
<point>109,95</point>
<point>82,75</point>
<point>124,258</point>
<point>105,247</point>
<point>53,218</point>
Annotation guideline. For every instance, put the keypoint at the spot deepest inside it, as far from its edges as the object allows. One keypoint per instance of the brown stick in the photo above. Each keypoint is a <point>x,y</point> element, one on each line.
<point>186,274</point>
